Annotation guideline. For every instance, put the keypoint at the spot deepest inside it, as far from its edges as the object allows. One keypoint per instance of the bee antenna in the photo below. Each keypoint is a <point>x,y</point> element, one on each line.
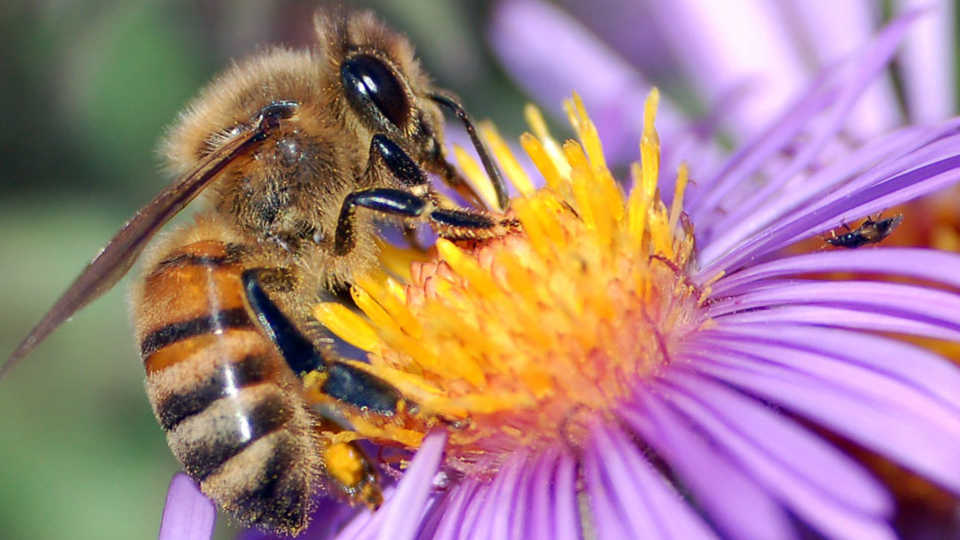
<point>449,101</point>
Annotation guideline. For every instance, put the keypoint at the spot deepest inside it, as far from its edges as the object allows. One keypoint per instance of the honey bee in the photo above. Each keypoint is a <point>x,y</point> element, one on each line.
<point>304,152</point>
<point>869,232</point>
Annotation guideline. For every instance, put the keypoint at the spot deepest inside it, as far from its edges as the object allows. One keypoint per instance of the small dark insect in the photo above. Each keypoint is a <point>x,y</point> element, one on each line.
<point>870,232</point>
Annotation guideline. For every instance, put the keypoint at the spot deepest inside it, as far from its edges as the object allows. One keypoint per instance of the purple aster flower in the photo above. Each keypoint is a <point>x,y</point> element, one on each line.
<point>629,367</point>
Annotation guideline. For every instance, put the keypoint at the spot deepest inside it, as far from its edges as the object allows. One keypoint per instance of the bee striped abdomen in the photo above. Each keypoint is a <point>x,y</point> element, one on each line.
<point>232,409</point>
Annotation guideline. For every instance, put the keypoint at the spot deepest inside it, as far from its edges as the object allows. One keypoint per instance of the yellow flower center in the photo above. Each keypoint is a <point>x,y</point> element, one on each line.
<point>525,339</point>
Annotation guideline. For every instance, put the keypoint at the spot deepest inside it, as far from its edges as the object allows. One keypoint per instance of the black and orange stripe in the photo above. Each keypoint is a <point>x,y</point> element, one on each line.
<point>230,405</point>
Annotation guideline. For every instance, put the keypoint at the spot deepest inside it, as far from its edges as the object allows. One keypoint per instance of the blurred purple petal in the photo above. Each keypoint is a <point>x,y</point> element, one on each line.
<point>858,72</point>
<point>188,513</point>
<point>850,505</point>
<point>832,30</point>
<point>927,62</point>
<point>722,45</point>
<point>701,469</point>
<point>573,59</point>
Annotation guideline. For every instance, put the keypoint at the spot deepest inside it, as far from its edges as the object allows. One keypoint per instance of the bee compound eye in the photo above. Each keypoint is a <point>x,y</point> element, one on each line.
<point>368,81</point>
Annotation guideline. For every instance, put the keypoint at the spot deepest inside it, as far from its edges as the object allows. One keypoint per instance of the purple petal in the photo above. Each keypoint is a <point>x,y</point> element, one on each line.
<point>882,157</point>
<point>453,512</point>
<point>718,46</point>
<point>523,503</point>
<point>550,69</point>
<point>909,404</point>
<point>842,317</point>
<point>907,301</point>
<point>404,509</point>
<point>566,510</point>
<point>835,30</point>
<point>473,509</point>
<point>773,437</point>
<point>849,505</point>
<point>925,264</point>
<point>188,514</point>
<point>741,510</point>
<point>752,155</point>
<point>864,68</point>
<point>494,517</point>
<point>606,513</point>
<point>824,93</point>
<point>897,190</point>
<point>927,62</point>
<point>873,424</point>
<point>638,483</point>
<point>513,473</point>
<point>913,366</point>
<point>540,523</point>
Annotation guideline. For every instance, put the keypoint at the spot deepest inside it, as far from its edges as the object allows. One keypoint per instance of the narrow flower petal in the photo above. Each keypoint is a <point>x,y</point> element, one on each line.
<point>406,505</point>
<point>917,447</point>
<point>862,71</point>
<point>493,520</point>
<point>928,61</point>
<point>882,157</point>
<point>566,513</point>
<point>897,190</point>
<point>823,468</point>
<point>188,513</point>
<point>925,264</point>
<point>608,519</point>
<point>541,522</point>
<point>550,69</point>
<point>638,483</point>
<point>453,512</point>
<point>911,301</point>
<point>718,46</point>
<point>913,366</point>
<point>834,30</point>
<point>911,405</point>
<point>701,469</point>
<point>836,509</point>
<point>838,85</point>
<point>846,317</point>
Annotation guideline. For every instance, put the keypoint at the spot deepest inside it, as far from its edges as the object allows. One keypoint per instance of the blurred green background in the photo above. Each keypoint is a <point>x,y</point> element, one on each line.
<point>87,88</point>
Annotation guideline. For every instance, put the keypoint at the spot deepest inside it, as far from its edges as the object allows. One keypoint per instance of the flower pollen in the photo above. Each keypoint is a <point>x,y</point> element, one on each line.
<point>527,340</point>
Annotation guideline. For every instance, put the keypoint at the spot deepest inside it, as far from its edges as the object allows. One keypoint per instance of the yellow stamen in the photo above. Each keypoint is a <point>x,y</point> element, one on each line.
<point>521,338</point>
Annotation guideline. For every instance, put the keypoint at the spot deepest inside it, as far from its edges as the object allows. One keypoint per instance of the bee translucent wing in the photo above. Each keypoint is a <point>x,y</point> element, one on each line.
<point>118,256</point>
